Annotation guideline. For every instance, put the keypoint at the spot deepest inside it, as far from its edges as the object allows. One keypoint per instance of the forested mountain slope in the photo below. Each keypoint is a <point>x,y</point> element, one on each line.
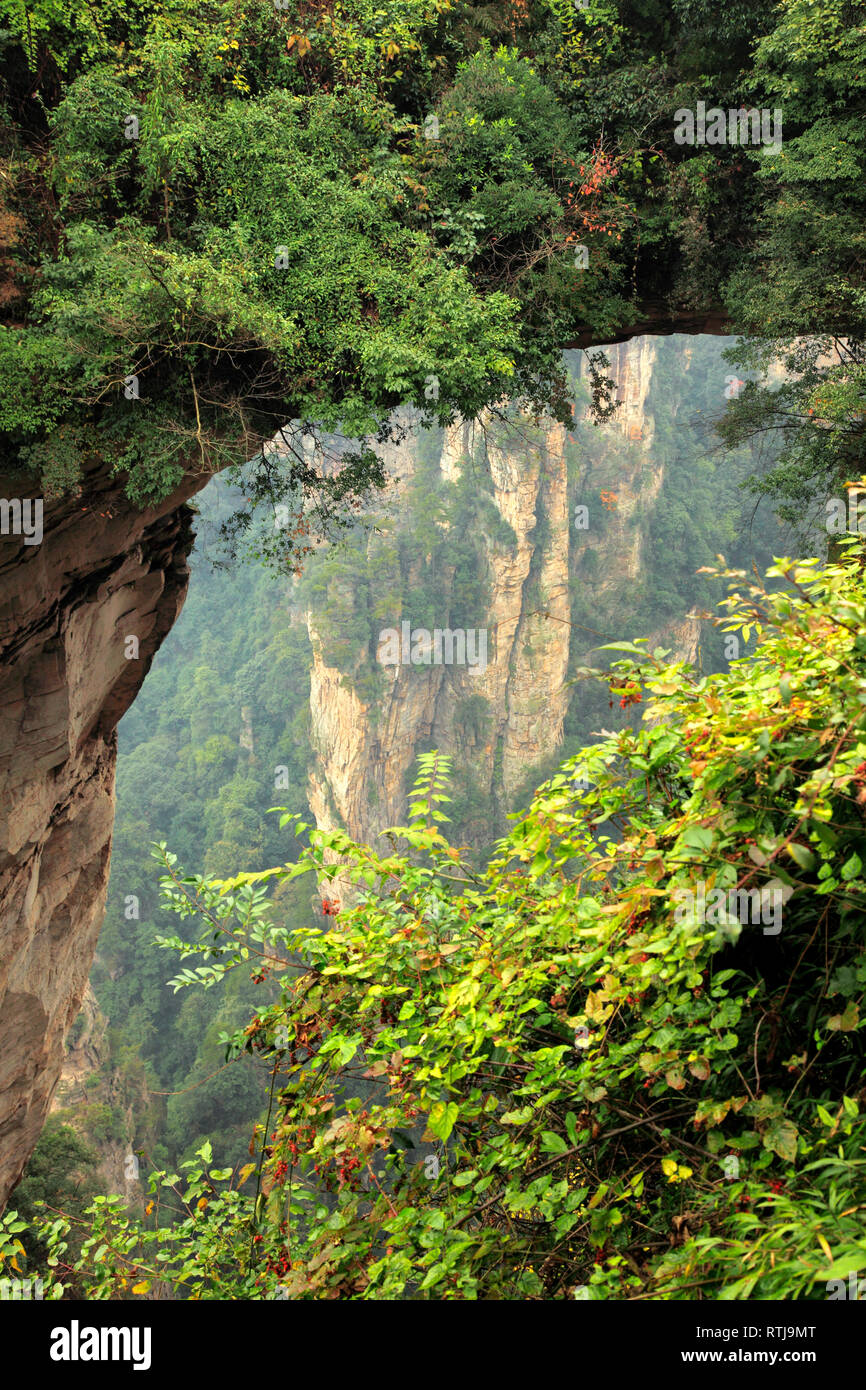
<point>294,708</point>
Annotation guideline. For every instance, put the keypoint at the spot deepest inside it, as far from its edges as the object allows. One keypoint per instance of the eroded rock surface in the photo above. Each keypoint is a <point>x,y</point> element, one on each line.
<point>504,722</point>
<point>104,573</point>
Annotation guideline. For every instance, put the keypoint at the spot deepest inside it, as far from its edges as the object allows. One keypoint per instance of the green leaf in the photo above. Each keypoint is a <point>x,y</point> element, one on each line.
<point>781,1138</point>
<point>698,837</point>
<point>552,1143</point>
<point>433,1276</point>
<point>442,1119</point>
<point>518,1117</point>
<point>465,1178</point>
<point>802,856</point>
<point>852,868</point>
<point>847,1021</point>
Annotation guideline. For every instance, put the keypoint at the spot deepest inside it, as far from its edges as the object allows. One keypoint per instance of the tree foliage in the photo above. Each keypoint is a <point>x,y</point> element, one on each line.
<point>277,236</point>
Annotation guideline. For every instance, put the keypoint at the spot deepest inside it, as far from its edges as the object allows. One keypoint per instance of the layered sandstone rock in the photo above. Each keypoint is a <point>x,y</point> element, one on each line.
<point>354,785</point>
<point>88,1078</point>
<point>366,749</point>
<point>104,573</point>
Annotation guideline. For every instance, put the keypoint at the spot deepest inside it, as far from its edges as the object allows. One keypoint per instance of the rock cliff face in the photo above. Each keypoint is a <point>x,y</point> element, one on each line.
<point>365,754</point>
<point>504,721</point>
<point>87,1078</point>
<point>81,616</point>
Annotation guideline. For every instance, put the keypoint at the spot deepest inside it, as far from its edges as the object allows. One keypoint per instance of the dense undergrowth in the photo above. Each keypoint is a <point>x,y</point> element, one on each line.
<point>574,1075</point>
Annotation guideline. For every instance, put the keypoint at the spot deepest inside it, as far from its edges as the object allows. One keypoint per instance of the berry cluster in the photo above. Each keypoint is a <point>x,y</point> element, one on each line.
<point>629,692</point>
